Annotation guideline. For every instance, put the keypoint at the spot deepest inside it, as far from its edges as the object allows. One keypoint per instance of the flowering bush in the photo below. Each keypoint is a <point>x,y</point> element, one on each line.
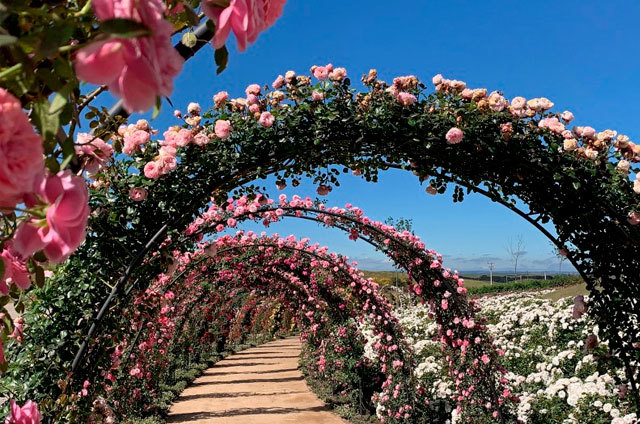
<point>559,368</point>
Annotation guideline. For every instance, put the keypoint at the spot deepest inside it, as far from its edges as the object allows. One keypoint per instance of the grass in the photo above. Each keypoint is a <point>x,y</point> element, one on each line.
<point>569,291</point>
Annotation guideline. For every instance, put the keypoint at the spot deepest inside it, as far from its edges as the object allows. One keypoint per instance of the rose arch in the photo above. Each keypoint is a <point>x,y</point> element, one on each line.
<point>320,127</point>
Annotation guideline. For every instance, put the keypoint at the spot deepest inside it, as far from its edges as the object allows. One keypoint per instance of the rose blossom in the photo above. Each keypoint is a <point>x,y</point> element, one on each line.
<point>94,152</point>
<point>322,72</point>
<point>454,135</point>
<point>27,414</point>
<point>317,96</point>
<point>567,116</point>
<point>138,194</point>
<point>194,108</point>
<point>21,153</point>
<point>278,83</point>
<point>247,19</point>
<point>15,270</point>
<point>338,74</point>
<point>406,99</point>
<point>64,199</point>
<point>266,119</point>
<point>220,99</point>
<point>139,69</point>
<point>634,218</point>
<point>222,129</point>
<point>623,166</point>
<point>252,89</point>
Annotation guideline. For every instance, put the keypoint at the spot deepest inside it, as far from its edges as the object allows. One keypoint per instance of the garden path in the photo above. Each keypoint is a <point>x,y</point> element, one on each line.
<point>258,385</point>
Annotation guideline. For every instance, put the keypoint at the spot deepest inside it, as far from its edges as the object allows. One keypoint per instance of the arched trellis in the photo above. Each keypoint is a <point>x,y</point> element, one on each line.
<point>337,266</point>
<point>508,149</point>
<point>404,248</point>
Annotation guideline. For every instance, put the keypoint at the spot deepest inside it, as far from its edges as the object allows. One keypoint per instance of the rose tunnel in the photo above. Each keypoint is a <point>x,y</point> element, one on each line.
<point>154,276</point>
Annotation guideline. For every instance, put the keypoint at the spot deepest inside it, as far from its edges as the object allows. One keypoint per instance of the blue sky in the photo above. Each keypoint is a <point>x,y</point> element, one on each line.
<point>583,55</point>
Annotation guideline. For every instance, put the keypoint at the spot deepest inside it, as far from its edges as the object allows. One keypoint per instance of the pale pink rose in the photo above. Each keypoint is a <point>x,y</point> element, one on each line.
<point>497,102</point>
<point>254,108</point>
<point>518,103</point>
<point>220,99</point>
<point>321,72</point>
<point>623,166</point>
<point>21,152</point>
<point>570,144</point>
<point>252,89</point>
<point>467,94</point>
<point>201,139</point>
<point>540,104</point>
<point>94,153</point>
<point>406,99</point>
<point>437,80</point>
<point>133,140</point>
<point>266,119</point>
<point>177,114</point>
<point>138,194</point>
<point>289,76</point>
<point>552,124</point>
<point>15,270</point>
<point>454,135</point>
<point>151,170</point>
<point>636,186</point>
<point>567,116</point>
<point>506,128</point>
<point>194,108</point>
<point>278,83</point>
<point>65,198</point>
<point>222,129</point>
<point>317,96</point>
<point>247,19</point>
<point>585,132</point>
<point>27,414</point>
<point>338,74</point>
<point>140,69</point>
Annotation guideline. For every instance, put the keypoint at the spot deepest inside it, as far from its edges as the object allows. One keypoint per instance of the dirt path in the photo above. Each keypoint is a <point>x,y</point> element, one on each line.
<point>261,385</point>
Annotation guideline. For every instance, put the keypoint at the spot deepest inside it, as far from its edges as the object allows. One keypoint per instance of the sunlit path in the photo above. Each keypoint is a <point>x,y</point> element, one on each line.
<point>258,385</point>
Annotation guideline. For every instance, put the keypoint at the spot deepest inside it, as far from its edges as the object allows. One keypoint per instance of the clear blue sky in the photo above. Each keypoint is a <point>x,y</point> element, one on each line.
<point>583,55</point>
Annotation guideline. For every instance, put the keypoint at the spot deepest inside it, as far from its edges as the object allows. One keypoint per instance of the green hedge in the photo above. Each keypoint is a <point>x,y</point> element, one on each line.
<point>558,281</point>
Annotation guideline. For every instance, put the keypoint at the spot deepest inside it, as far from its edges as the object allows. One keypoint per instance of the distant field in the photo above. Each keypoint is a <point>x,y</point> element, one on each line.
<point>570,291</point>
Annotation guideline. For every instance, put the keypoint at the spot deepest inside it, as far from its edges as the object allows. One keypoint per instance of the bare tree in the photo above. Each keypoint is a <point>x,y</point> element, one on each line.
<point>515,248</point>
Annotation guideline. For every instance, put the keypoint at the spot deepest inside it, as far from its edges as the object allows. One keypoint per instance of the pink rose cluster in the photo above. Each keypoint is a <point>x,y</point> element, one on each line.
<point>57,205</point>
<point>134,136</point>
<point>246,18</point>
<point>139,69</point>
<point>94,153</point>
<point>402,88</point>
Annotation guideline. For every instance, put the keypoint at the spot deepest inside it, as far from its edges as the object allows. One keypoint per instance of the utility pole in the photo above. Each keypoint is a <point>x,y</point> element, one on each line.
<point>491,272</point>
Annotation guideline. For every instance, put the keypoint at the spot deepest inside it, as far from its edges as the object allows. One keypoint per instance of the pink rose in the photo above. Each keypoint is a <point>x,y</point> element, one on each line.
<point>21,153</point>
<point>151,170</point>
<point>94,153</point>
<point>634,218</point>
<point>133,140</point>
<point>338,74</point>
<point>266,119</point>
<point>567,116</point>
<point>247,19</point>
<point>252,89</point>
<point>138,194</point>
<point>454,135</point>
<point>194,108</point>
<point>64,199</point>
<point>518,103</point>
<point>552,124</point>
<point>138,70</point>
<point>220,99</point>
<point>321,72</point>
<point>222,129</point>
<point>27,414</point>
<point>317,96</point>
<point>15,270</point>
<point>201,139</point>
<point>278,82</point>
<point>437,80</point>
<point>406,99</point>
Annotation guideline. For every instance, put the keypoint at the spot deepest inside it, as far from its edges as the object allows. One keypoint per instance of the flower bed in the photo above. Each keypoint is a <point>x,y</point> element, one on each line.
<point>557,365</point>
